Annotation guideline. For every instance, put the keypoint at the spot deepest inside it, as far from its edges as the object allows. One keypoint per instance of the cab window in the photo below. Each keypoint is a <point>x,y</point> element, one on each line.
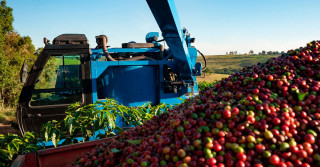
<point>59,82</point>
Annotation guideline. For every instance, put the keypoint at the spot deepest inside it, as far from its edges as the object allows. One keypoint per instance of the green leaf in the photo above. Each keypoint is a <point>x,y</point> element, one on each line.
<point>46,136</point>
<point>66,120</point>
<point>76,115</point>
<point>29,135</point>
<point>118,129</point>
<point>48,132</point>
<point>96,124</point>
<point>17,143</point>
<point>71,122</point>
<point>111,134</point>
<point>301,96</point>
<point>75,132</point>
<point>4,152</point>
<point>11,150</point>
<point>89,133</point>
<point>134,141</point>
<point>84,131</point>
<point>102,120</point>
<point>114,150</point>
<point>111,122</point>
<point>55,137</point>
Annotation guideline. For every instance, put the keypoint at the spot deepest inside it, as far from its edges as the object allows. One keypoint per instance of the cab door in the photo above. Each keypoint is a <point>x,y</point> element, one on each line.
<point>59,77</point>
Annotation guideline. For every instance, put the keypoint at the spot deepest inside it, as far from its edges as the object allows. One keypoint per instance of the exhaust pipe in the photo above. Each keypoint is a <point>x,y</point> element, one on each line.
<point>102,41</point>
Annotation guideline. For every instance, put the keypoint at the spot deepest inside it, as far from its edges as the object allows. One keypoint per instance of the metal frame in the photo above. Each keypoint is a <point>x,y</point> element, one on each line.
<point>30,118</point>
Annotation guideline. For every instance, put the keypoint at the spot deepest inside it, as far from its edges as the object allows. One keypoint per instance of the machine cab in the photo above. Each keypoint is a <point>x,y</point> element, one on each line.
<point>59,77</point>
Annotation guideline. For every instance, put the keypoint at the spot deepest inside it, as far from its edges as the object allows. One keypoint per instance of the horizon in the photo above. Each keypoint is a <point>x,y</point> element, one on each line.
<point>218,27</point>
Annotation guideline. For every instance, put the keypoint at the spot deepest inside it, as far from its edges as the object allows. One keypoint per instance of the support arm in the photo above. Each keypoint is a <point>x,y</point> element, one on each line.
<point>166,15</point>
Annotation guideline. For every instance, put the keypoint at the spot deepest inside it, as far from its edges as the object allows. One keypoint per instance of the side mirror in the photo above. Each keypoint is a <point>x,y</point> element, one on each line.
<point>24,71</point>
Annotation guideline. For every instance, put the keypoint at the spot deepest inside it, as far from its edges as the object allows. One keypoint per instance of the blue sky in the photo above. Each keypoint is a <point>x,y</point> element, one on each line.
<point>218,25</point>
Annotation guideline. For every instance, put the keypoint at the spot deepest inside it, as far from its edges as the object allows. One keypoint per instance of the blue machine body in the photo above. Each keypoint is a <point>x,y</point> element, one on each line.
<point>134,83</point>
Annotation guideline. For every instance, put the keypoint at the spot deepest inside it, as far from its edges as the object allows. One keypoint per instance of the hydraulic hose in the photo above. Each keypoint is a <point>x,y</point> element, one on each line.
<point>104,48</point>
<point>205,61</point>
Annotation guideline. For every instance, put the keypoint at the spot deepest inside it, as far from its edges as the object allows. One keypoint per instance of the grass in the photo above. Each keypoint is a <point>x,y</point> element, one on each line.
<point>7,114</point>
<point>228,64</point>
<point>224,65</point>
<point>68,60</point>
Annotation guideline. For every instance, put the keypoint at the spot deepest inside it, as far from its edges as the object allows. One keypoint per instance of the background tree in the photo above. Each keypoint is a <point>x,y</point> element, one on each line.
<point>14,48</point>
<point>6,20</point>
<point>263,52</point>
<point>251,52</point>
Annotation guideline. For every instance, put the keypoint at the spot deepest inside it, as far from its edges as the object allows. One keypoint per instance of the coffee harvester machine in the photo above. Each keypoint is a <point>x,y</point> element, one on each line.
<point>68,71</point>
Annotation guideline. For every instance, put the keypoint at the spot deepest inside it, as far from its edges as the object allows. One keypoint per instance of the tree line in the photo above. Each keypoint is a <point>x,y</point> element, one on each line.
<point>14,48</point>
<point>251,52</point>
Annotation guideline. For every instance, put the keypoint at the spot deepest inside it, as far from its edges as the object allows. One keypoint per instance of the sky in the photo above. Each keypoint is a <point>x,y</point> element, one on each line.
<point>219,26</point>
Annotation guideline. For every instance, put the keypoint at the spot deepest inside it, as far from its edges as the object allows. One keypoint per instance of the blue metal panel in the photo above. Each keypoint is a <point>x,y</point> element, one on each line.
<point>174,100</point>
<point>193,55</point>
<point>97,68</point>
<point>94,81</point>
<point>129,85</point>
<point>101,66</point>
<point>140,63</point>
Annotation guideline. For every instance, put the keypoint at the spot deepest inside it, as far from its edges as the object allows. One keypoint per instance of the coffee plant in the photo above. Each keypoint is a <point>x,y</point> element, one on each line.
<point>204,84</point>
<point>93,121</point>
<point>12,145</point>
<point>97,120</point>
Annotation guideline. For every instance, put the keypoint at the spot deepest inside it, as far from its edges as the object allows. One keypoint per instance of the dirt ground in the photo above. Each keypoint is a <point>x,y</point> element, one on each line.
<point>212,77</point>
<point>5,129</point>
